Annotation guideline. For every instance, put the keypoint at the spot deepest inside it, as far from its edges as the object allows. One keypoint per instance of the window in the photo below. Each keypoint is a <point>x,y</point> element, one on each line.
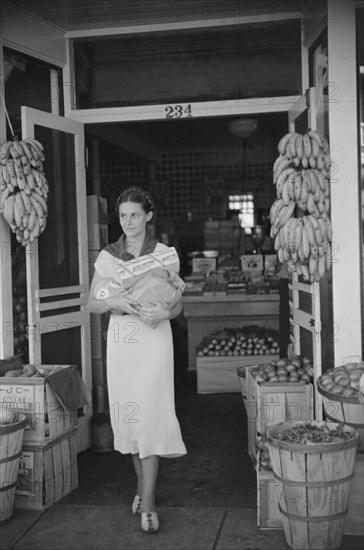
<point>245,205</point>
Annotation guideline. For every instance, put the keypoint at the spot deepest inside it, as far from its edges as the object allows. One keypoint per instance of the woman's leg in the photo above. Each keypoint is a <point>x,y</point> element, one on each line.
<point>150,471</point>
<point>139,473</point>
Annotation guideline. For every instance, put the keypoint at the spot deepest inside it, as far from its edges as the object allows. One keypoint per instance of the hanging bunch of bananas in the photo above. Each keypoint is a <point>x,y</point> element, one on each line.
<point>301,175</point>
<point>23,188</point>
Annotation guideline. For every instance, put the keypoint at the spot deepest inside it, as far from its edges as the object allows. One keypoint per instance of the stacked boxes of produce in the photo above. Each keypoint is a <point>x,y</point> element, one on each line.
<point>49,396</point>
<point>340,390</point>
<point>277,391</point>
<point>221,353</point>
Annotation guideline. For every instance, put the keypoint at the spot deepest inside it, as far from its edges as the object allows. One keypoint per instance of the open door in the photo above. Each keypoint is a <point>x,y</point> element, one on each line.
<point>57,262</point>
<point>304,297</point>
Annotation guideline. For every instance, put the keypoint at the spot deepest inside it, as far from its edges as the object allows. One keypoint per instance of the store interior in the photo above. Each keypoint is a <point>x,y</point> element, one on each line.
<point>191,166</point>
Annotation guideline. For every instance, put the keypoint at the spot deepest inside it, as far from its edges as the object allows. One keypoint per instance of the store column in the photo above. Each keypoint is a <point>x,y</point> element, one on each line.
<point>343,137</point>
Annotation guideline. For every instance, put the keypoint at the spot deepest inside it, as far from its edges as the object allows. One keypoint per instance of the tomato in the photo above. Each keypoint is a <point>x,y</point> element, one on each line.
<point>291,367</point>
<point>282,362</point>
<point>296,361</point>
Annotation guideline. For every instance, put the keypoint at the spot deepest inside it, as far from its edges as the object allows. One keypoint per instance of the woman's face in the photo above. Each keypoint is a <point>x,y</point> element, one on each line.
<point>133,219</point>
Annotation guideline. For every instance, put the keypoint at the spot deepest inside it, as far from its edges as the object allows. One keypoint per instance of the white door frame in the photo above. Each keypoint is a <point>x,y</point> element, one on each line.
<point>81,318</point>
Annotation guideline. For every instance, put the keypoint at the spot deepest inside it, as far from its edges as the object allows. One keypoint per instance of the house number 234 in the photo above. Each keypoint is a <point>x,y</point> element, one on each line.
<point>178,111</point>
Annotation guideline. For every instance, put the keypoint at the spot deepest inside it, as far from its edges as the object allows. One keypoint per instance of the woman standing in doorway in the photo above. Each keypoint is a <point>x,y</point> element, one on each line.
<point>140,374</point>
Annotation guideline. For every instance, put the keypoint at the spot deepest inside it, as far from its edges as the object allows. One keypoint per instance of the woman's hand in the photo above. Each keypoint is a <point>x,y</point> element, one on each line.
<point>122,304</point>
<point>154,315</point>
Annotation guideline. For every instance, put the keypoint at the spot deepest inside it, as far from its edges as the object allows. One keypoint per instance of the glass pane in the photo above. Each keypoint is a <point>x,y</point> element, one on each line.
<point>258,60</point>
<point>62,347</point>
<point>306,342</point>
<point>28,82</point>
<point>58,244</point>
<point>305,302</point>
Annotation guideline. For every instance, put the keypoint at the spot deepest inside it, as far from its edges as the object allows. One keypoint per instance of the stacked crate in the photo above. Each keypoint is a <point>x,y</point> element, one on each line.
<point>48,463</point>
<point>98,235</point>
<point>268,404</point>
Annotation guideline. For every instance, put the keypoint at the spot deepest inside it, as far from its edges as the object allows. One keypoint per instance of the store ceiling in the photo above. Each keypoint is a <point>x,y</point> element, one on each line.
<point>79,14</point>
<point>153,138</point>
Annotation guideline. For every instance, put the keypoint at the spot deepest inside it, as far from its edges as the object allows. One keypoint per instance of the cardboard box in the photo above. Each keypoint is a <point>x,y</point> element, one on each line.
<point>219,374</point>
<point>97,209</point>
<point>130,271</point>
<point>205,265</point>
<point>252,264</point>
<point>271,403</point>
<point>46,412</point>
<point>47,473</point>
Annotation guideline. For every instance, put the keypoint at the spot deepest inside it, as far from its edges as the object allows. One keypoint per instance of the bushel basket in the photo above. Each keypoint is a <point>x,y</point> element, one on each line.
<point>314,483</point>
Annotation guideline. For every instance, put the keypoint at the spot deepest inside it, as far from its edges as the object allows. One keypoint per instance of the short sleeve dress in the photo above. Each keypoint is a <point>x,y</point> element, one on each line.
<point>140,379</point>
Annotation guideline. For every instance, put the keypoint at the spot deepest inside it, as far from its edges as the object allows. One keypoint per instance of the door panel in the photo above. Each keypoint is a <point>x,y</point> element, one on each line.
<point>57,263</point>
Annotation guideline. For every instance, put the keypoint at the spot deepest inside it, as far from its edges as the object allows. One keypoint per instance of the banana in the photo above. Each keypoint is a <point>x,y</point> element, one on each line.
<point>310,203</point>
<point>312,265</point>
<point>8,210</point>
<point>285,196</point>
<point>24,221</point>
<point>291,185</point>
<point>329,229</point>
<point>321,267</point>
<point>291,224</point>
<point>320,161</point>
<point>298,232</point>
<point>276,163</point>
<point>312,162</point>
<point>39,210</point>
<point>17,215</point>
<point>289,153</point>
<point>33,151</point>
<point>10,167</point>
<point>31,219</point>
<point>297,186</point>
<point>304,161</point>
<point>326,189</point>
<point>286,254</point>
<point>4,195</point>
<point>323,227</point>
<point>26,150</point>
<point>305,272</point>
<point>315,149</point>
<point>35,232</point>
<point>5,174</point>
<point>13,183</point>
<point>328,257</point>
<point>307,146</point>
<point>305,244</point>
<point>312,180</point>
<point>283,168</point>
<point>292,143</point>
<point>275,208</point>
<point>309,231</point>
<point>4,151</point>
<point>19,204</point>
<point>41,200</point>
<point>318,194</point>
<point>280,255</point>
<point>283,143</point>
<point>18,148</point>
<point>30,180</point>
<point>327,162</point>
<point>26,202</point>
<point>317,230</point>
<point>282,178</point>
<point>299,146</point>
<point>13,152</point>
<point>317,137</point>
<point>35,143</point>
<point>285,214</point>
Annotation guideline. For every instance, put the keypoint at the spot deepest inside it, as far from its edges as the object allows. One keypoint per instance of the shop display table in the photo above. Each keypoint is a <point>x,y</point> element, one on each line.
<point>207,314</point>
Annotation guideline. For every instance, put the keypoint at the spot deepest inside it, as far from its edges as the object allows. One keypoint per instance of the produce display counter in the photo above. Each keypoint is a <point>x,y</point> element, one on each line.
<point>206,314</point>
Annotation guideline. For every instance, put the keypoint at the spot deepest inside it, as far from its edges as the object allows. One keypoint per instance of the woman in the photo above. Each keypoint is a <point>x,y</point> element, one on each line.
<point>139,360</point>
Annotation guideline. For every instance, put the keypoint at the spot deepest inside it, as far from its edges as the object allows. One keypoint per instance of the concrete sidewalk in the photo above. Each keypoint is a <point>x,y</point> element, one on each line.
<point>81,527</point>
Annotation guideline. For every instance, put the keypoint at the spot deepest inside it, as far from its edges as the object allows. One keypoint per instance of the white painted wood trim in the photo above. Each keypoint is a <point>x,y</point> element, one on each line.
<point>345,213</point>
<point>202,23</point>
<point>47,292</point>
<point>6,295</point>
<point>199,109</point>
<point>63,322</point>
<point>69,85</point>
<point>61,304</point>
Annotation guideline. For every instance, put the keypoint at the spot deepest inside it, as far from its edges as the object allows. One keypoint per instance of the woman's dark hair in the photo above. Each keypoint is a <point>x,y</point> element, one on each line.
<point>136,194</point>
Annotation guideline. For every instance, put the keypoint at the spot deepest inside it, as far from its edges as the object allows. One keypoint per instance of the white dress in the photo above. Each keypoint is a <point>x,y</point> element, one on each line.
<point>140,379</point>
